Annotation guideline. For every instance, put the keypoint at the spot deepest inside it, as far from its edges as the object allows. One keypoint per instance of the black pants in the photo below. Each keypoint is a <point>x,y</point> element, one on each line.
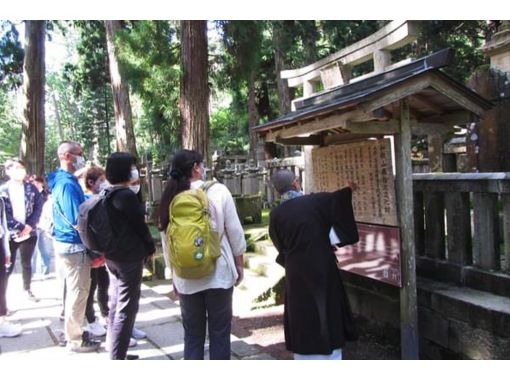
<point>214,308</point>
<point>125,283</point>
<point>26,250</point>
<point>3,281</point>
<point>98,280</point>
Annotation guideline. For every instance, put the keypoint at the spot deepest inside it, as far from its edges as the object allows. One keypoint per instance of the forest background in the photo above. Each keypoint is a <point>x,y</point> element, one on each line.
<point>242,86</point>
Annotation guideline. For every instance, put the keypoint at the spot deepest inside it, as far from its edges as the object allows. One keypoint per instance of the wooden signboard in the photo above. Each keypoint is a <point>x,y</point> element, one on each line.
<point>376,255</point>
<point>368,164</point>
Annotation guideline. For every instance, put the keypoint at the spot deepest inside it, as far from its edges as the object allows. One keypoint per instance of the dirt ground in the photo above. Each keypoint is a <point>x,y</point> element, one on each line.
<point>264,329</point>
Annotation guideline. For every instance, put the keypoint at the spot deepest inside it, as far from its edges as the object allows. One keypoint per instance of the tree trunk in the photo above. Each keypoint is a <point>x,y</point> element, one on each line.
<point>120,90</point>
<point>284,96</point>
<point>253,118</point>
<point>34,78</point>
<point>279,65</point>
<point>194,100</point>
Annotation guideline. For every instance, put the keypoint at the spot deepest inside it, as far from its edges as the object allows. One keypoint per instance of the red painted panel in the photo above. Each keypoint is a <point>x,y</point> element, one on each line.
<point>376,255</point>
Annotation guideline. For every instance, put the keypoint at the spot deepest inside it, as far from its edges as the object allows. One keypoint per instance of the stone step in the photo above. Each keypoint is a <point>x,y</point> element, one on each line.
<point>262,265</point>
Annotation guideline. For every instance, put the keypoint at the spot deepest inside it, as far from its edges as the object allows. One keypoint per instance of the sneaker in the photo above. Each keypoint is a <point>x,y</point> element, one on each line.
<point>87,345</point>
<point>138,334</point>
<point>30,296</point>
<point>9,330</point>
<point>95,328</point>
<point>132,357</point>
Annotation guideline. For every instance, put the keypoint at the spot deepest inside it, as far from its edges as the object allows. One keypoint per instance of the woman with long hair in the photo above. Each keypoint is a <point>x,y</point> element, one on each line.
<point>207,300</point>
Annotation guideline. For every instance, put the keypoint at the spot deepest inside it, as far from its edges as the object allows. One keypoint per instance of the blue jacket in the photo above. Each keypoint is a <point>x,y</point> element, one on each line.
<point>67,198</point>
<point>33,207</point>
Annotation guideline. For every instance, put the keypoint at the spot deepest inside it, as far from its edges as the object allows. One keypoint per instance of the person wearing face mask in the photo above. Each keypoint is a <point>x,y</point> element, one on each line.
<point>125,261</point>
<point>23,205</point>
<point>94,180</point>
<point>206,302</point>
<point>70,254</point>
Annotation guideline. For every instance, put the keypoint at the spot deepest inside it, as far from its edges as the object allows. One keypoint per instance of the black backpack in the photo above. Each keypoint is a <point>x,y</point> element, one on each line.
<point>96,231</point>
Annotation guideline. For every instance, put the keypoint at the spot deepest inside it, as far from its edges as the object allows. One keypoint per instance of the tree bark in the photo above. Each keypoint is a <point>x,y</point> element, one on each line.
<point>122,107</point>
<point>279,65</point>
<point>34,78</point>
<point>253,118</point>
<point>194,99</point>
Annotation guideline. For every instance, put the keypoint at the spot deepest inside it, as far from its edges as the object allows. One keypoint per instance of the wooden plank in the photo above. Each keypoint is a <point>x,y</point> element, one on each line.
<point>458,225</point>
<point>309,177</point>
<point>419,224</point>
<point>434,225</point>
<point>310,140</point>
<point>396,93</point>
<point>423,128</point>
<point>452,93</point>
<point>486,231</point>
<point>505,200</point>
<point>435,149</point>
<point>373,127</point>
<point>369,165</point>
<point>322,124</point>
<point>404,188</point>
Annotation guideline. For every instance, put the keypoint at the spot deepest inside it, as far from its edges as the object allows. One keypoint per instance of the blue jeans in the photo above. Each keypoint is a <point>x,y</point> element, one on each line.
<point>214,308</point>
<point>41,261</point>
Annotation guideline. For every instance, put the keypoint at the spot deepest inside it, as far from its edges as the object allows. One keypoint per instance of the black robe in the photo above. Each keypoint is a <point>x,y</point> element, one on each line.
<point>317,316</point>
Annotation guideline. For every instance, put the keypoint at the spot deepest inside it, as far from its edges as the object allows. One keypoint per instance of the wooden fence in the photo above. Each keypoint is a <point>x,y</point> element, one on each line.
<point>462,229</point>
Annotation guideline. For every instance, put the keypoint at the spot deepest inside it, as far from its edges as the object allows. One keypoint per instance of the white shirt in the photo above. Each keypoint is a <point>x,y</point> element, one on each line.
<point>225,221</point>
<point>17,198</point>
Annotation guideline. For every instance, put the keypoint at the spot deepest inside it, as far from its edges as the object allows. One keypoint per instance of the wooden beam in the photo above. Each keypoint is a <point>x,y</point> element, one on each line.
<point>373,127</point>
<point>322,124</point>
<point>438,84</point>
<point>404,189</point>
<point>345,138</point>
<point>421,129</point>
<point>454,118</point>
<point>425,103</point>
<point>310,140</point>
<point>393,94</point>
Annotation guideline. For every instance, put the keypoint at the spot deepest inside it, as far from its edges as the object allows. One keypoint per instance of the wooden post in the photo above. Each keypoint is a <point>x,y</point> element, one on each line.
<point>505,198</point>
<point>404,188</point>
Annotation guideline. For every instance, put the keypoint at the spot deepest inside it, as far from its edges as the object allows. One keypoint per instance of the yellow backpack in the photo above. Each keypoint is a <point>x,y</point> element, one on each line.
<point>193,247</point>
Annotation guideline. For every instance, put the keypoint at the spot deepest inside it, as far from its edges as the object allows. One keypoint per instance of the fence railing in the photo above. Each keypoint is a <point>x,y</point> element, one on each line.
<point>462,229</point>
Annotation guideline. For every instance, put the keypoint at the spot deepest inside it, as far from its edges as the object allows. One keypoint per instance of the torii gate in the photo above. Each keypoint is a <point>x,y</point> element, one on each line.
<point>409,97</point>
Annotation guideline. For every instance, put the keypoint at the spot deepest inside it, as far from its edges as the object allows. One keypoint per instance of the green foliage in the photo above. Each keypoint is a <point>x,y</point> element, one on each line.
<point>11,56</point>
<point>228,131</point>
<point>465,37</point>
<point>149,57</point>
<point>10,126</point>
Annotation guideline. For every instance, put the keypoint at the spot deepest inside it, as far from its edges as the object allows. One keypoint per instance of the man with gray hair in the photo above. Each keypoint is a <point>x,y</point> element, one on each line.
<point>69,250</point>
<point>317,315</point>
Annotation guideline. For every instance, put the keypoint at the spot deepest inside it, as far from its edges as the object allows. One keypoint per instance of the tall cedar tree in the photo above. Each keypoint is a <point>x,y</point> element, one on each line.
<point>34,78</point>
<point>194,101</point>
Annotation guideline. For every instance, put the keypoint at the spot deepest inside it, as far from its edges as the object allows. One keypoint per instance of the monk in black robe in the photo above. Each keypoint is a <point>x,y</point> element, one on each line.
<point>317,315</point>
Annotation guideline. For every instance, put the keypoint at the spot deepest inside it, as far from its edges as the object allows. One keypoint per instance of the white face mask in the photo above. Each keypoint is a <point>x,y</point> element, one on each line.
<point>204,172</point>
<point>18,174</point>
<point>134,177</point>
<point>103,185</point>
<point>79,163</point>
<point>134,188</point>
